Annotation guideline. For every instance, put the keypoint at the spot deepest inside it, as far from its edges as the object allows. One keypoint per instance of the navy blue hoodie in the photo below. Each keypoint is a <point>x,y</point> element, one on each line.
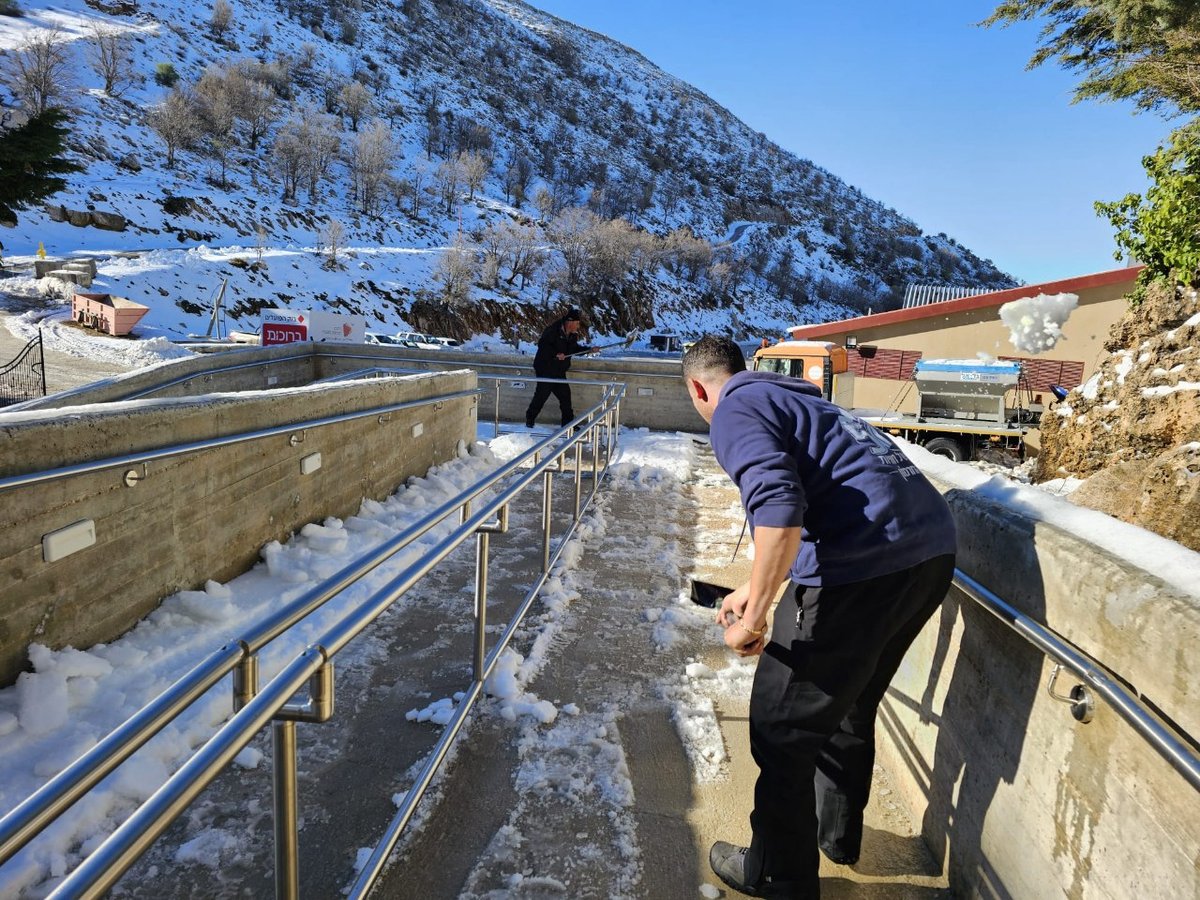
<point>797,459</point>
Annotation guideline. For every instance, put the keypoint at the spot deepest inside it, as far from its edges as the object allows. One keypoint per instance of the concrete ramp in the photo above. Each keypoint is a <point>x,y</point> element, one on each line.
<point>643,766</point>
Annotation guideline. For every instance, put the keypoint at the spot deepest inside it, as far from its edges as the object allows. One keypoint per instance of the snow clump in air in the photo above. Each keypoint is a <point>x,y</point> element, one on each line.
<point>1035,323</point>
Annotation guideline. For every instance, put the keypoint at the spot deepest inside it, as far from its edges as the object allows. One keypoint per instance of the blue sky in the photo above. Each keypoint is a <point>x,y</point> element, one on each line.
<point>914,105</point>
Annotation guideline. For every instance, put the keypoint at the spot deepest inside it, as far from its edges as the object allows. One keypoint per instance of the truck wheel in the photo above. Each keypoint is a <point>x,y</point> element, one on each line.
<point>947,447</point>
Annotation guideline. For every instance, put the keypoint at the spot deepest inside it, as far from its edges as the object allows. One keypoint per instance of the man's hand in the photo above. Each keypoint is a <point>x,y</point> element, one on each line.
<point>734,605</point>
<point>560,356</point>
<point>729,617</point>
<point>741,641</point>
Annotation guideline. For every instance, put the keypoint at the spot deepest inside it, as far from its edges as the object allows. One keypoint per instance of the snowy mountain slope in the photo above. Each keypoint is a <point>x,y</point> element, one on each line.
<point>597,124</point>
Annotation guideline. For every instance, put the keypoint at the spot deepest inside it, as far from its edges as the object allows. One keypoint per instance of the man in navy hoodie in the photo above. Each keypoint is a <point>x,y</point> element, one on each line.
<point>868,546</point>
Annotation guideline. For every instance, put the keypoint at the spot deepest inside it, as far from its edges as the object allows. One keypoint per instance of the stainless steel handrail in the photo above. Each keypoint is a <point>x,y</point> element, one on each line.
<point>121,849</point>
<point>143,456</point>
<point>1172,746</point>
<point>41,808</point>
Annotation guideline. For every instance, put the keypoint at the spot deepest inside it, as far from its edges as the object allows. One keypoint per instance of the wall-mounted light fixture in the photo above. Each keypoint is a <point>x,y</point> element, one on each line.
<point>67,540</point>
<point>851,342</point>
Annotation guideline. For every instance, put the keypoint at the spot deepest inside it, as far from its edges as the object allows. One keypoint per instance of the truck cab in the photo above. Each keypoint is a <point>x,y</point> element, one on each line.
<point>818,362</point>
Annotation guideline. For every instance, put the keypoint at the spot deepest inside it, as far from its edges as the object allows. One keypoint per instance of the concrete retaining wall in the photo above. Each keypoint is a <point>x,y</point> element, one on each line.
<point>655,395</point>
<point>1017,798</point>
<point>201,515</point>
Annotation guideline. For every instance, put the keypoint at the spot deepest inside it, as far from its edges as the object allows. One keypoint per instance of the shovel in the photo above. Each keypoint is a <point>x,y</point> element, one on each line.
<point>705,593</point>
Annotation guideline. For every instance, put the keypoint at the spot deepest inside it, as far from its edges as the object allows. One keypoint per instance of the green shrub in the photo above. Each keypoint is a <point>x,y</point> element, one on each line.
<point>1162,229</point>
<point>165,74</point>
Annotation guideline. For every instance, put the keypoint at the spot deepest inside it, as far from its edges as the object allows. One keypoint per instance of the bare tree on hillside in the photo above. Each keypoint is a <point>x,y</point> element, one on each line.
<point>333,238</point>
<point>494,242</point>
<point>544,203</point>
<point>721,279</point>
<point>260,242</point>
<point>475,169</point>
<point>111,56</point>
<point>448,177</point>
<point>322,144</point>
<point>371,158</point>
<point>420,175</point>
<point>524,251</point>
<point>304,150</point>
<point>216,118</point>
<point>222,18</point>
<point>38,71</point>
<point>571,231</point>
<point>262,35</point>
<point>176,120</point>
<point>687,254</point>
<point>304,63</point>
<point>329,85</point>
<point>288,153</point>
<point>253,101</point>
<point>517,176</point>
<point>456,271</point>
<point>355,100</point>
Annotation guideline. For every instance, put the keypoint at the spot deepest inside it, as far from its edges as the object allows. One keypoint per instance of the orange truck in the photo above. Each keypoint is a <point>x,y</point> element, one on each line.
<point>962,412</point>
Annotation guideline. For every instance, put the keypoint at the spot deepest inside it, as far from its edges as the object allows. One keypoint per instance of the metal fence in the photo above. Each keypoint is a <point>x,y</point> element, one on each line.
<point>25,377</point>
<point>925,294</point>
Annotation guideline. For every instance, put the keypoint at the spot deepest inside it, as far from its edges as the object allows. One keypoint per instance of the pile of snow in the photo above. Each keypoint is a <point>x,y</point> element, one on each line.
<point>1174,563</point>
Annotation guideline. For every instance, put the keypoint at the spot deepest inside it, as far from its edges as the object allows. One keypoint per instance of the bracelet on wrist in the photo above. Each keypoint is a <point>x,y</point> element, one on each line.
<point>746,628</point>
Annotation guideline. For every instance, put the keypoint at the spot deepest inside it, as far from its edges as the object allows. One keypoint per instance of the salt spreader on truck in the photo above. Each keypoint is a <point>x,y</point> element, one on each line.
<point>962,409</point>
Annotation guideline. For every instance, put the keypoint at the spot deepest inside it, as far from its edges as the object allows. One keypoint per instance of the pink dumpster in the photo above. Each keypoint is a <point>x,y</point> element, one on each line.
<point>104,312</point>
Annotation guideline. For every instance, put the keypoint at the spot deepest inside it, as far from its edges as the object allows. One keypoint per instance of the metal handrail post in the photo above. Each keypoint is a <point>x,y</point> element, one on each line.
<point>482,546</point>
<point>594,436</point>
<point>287,820</point>
<point>547,515</point>
<point>610,436</point>
<point>42,360</point>
<point>496,410</point>
<point>578,476</point>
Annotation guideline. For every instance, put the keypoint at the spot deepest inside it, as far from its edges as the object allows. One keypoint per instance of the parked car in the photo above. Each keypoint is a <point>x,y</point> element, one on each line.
<point>418,340</point>
<point>444,341</point>
<point>373,337</point>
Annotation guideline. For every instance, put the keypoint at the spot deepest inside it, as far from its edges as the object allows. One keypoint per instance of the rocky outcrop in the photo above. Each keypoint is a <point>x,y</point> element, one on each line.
<point>1133,430</point>
<point>82,218</point>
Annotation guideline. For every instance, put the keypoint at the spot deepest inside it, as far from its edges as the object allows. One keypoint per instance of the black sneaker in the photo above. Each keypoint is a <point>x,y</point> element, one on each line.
<point>729,863</point>
<point>528,424</point>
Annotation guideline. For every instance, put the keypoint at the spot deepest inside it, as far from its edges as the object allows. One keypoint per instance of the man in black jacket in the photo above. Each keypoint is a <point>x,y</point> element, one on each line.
<point>558,343</point>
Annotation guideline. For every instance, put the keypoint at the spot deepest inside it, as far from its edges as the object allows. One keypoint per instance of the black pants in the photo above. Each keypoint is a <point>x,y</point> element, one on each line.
<point>542,392</point>
<point>832,654</point>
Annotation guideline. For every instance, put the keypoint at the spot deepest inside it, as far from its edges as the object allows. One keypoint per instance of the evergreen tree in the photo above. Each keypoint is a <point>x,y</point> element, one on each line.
<point>1139,50</point>
<point>31,162</point>
<point>1144,51</point>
